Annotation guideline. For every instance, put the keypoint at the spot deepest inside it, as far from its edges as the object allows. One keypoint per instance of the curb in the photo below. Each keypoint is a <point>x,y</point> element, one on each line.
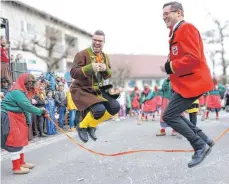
<point>37,143</point>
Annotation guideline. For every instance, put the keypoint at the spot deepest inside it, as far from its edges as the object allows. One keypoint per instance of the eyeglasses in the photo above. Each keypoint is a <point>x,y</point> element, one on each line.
<point>95,40</point>
<point>167,13</point>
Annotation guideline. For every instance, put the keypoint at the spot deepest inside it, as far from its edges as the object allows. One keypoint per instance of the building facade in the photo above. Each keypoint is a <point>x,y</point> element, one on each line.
<point>28,24</point>
<point>137,70</point>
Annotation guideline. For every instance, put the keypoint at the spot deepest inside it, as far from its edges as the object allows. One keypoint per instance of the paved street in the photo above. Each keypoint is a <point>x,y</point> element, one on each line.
<point>59,161</point>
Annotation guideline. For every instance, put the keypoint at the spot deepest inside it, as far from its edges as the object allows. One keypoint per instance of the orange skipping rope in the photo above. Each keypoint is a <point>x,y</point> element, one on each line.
<point>130,151</point>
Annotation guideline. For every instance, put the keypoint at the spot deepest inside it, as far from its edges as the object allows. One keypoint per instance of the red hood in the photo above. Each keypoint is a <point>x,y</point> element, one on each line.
<point>136,89</point>
<point>20,85</point>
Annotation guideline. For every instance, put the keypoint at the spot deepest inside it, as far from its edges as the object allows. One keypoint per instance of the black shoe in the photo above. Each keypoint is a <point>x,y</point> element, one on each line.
<point>91,133</point>
<point>199,156</point>
<point>210,143</point>
<point>82,132</point>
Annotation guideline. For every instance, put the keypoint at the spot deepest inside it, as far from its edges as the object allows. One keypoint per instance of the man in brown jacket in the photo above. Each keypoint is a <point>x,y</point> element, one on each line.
<point>90,67</point>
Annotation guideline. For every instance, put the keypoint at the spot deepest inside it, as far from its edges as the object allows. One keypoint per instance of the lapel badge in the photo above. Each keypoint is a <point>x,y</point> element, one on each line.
<point>174,50</point>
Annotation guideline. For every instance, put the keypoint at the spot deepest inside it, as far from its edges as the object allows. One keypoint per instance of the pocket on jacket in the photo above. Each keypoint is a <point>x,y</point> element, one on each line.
<point>188,74</point>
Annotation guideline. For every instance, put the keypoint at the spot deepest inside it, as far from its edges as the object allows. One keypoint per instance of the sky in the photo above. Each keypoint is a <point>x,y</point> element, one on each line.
<point>131,26</point>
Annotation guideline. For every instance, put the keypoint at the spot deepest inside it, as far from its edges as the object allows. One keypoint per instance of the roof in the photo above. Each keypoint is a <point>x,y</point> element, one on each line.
<point>140,66</point>
<point>45,15</point>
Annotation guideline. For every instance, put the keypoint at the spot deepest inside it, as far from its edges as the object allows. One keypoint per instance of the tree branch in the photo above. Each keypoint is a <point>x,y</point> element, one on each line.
<point>52,37</point>
<point>35,53</point>
<point>56,61</point>
<point>225,26</point>
<point>38,44</point>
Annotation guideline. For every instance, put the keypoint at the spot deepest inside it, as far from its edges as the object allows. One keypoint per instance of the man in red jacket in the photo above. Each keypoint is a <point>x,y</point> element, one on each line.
<point>190,78</point>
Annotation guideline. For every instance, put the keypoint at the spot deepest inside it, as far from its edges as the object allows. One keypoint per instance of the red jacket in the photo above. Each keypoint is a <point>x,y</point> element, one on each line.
<point>4,55</point>
<point>187,66</point>
<point>136,102</point>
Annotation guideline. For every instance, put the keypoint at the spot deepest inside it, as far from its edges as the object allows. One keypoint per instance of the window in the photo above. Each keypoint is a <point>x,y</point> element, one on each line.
<point>70,40</point>
<point>3,27</point>
<point>23,29</point>
<point>54,36</point>
<point>30,28</point>
<point>72,44</point>
<point>27,27</point>
<point>53,33</point>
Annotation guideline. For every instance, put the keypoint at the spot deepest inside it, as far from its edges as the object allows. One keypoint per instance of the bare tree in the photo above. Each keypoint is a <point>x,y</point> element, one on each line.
<point>213,58</point>
<point>217,37</point>
<point>119,76</point>
<point>47,49</point>
<point>49,44</point>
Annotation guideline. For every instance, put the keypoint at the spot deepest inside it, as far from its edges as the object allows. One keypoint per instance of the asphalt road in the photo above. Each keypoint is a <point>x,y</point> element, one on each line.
<point>59,161</point>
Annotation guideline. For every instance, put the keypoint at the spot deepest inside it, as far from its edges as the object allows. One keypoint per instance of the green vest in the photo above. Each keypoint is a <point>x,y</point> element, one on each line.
<point>97,79</point>
<point>166,89</point>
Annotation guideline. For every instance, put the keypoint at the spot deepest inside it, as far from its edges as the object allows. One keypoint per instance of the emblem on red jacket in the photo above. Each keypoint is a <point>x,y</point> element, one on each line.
<point>174,50</point>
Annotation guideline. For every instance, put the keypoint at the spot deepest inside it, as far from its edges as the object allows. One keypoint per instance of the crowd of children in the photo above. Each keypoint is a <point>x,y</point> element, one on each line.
<point>148,102</point>
<point>52,94</point>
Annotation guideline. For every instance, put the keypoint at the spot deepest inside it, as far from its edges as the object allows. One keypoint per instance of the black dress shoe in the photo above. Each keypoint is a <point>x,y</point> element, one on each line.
<point>82,132</point>
<point>210,143</point>
<point>91,133</point>
<point>199,156</point>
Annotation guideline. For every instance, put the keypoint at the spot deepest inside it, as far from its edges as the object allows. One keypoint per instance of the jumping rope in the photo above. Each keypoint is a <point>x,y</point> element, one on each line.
<point>130,151</point>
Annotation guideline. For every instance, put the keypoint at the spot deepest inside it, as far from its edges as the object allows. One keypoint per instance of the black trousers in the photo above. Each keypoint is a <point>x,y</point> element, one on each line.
<point>41,120</point>
<point>127,110</point>
<point>98,110</point>
<point>172,116</point>
<point>193,118</point>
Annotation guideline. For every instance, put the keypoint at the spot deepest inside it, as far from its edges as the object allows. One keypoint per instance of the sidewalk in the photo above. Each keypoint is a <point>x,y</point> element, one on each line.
<point>40,141</point>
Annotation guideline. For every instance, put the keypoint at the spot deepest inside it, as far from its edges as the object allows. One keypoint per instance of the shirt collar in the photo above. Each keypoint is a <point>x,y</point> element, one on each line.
<point>174,27</point>
<point>94,52</point>
<point>92,49</point>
